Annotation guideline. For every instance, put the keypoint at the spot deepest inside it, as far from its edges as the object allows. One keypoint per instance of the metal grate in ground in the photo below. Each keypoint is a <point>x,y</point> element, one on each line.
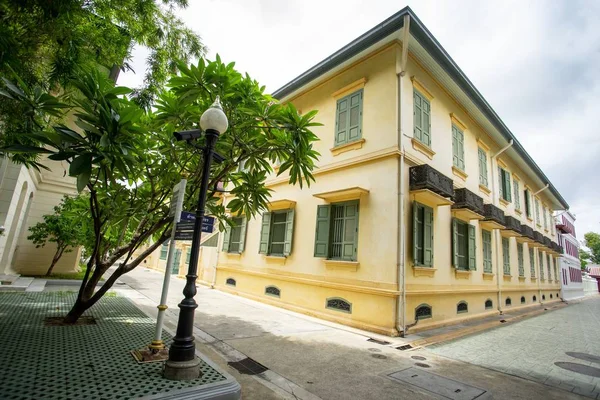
<point>79,362</point>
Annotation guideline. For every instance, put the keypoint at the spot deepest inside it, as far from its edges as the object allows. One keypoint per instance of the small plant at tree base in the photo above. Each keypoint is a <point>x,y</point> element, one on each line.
<point>66,227</point>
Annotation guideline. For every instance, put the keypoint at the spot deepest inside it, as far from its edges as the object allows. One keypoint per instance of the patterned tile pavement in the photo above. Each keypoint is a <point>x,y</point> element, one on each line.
<point>530,348</point>
<point>79,362</point>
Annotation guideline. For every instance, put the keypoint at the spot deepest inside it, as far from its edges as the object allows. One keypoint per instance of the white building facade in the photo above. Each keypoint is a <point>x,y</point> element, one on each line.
<point>26,195</point>
<point>571,279</point>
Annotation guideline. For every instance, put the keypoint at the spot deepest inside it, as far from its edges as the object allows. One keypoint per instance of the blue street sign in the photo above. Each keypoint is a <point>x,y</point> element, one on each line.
<point>188,216</point>
<point>185,228</point>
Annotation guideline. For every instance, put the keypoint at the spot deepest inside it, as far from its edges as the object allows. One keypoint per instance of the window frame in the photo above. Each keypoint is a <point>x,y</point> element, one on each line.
<point>487,244</point>
<point>164,251</point>
<point>423,305</point>
<point>458,147</point>
<point>520,259</point>
<point>483,170</point>
<point>326,222</point>
<point>266,232</point>
<point>424,100</point>
<point>532,261</point>
<point>505,184</point>
<point>242,226</point>
<point>506,256</point>
<point>471,245</point>
<point>348,127</point>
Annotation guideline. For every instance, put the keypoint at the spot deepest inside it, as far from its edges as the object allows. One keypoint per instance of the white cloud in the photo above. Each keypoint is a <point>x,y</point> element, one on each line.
<point>535,62</point>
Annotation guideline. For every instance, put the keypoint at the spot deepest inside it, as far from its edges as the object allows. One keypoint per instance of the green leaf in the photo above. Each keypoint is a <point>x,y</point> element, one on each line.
<point>83,179</point>
<point>120,90</point>
<point>81,164</point>
<point>24,149</point>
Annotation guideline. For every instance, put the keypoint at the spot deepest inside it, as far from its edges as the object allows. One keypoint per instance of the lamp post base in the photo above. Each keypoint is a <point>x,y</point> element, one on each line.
<point>182,370</point>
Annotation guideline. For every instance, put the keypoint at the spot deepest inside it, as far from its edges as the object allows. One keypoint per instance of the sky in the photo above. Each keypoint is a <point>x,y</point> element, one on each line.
<point>536,63</point>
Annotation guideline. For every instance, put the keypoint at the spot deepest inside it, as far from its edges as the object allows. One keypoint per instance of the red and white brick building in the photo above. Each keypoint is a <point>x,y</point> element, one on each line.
<point>571,279</point>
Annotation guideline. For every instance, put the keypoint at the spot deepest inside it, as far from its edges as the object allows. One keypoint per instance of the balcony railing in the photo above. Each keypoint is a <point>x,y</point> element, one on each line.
<point>426,177</point>
<point>512,223</point>
<point>527,231</point>
<point>538,237</point>
<point>464,198</point>
<point>547,242</point>
<point>493,213</point>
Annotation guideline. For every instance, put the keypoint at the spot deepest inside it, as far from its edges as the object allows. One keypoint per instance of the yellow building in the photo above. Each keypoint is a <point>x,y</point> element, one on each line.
<point>426,210</point>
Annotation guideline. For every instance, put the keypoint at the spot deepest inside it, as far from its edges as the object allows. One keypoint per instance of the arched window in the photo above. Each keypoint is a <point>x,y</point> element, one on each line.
<point>423,312</point>
<point>230,282</point>
<point>489,304</point>
<point>534,298</point>
<point>339,304</point>
<point>550,295</point>
<point>462,307</point>
<point>273,291</point>
<point>508,301</point>
<point>523,300</point>
<point>543,297</point>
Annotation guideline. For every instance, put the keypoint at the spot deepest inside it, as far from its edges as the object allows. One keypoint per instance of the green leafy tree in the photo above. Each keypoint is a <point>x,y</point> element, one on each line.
<point>68,227</point>
<point>584,258</point>
<point>592,242</point>
<point>45,43</point>
<point>128,163</point>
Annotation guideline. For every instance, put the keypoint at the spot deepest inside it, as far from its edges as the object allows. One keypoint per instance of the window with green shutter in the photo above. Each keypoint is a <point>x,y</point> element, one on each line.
<point>483,171</point>
<point>545,221</point>
<point>549,266</point>
<point>517,195</point>
<point>458,148</point>
<point>348,122</point>
<point>504,183</point>
<point>541,258</point>
<point>520,259</point>
<point>164,250</point>
<point>532,262</point>
<point>422,235</point>
<point>506,255</point>
<point>276,233</point>
<point>537,212</point>
<point>527,203</point>
<point>422,118</point>
<point>486,240</point>
<point>235,236</point>
<point>188,255</point>
<point>336,235</point>
<point>463,245</point>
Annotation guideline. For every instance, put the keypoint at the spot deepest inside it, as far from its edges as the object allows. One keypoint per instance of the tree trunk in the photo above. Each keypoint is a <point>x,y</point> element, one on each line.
<point>76,311</point>
<point>57,255</point>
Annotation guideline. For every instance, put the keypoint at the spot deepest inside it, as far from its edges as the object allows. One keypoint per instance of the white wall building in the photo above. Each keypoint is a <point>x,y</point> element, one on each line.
<point>26,195</point>
<point>571,279</point>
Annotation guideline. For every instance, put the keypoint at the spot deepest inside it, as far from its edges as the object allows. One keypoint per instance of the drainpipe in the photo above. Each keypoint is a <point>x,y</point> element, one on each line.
<point>495,201</point>
<point>540,260</point>
<point>401,234</point>
<point>542,189</point>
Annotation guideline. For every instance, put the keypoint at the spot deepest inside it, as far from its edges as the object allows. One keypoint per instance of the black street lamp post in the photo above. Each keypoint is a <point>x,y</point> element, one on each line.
<point>183,363</point>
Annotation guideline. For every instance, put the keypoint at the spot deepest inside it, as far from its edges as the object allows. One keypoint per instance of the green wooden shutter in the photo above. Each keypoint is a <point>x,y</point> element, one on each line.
<point>454,243</point>
<point>472,248</point>
<point>243,234</point>
<point>506,255</point>
<point>416,229</point>
<point>226,236</point>
<point>322,231</point>
<point>507,186</point>
<point>350,233</point>
<point>427,236</point>
<point>426,122</point>
<point>517,197</point>
<point>418,116</point>
<point>355,116</point>
<point>500,183</point>
<point>532,262</point>
<point>455,160</point>
<point>265,232</point>
<point>460,151</point>
<point>341,123</point>
<point>483,175</point>
<point>520,259</point>
<point>486,238</point>
<point>289,233</point>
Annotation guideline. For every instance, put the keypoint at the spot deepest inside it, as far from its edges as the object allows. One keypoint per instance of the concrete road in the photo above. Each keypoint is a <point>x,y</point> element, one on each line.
<point>532,348</point>
<point>312,359</point>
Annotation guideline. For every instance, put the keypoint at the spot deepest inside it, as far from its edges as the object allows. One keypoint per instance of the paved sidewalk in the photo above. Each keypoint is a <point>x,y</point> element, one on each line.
<point>313,359</point>
<point>531,348</point>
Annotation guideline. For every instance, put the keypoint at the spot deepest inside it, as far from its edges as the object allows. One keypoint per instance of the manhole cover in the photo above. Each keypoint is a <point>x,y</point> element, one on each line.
<point>375,350</point>
<point>405,347</point>
<point>584,357</point>
<point>447,388</point>
<point>421,358</point>
<point>248,366</point>
<point>579,368</point>
<point>422,365</point>
<point>379,356</point>
<point>382,342</point>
